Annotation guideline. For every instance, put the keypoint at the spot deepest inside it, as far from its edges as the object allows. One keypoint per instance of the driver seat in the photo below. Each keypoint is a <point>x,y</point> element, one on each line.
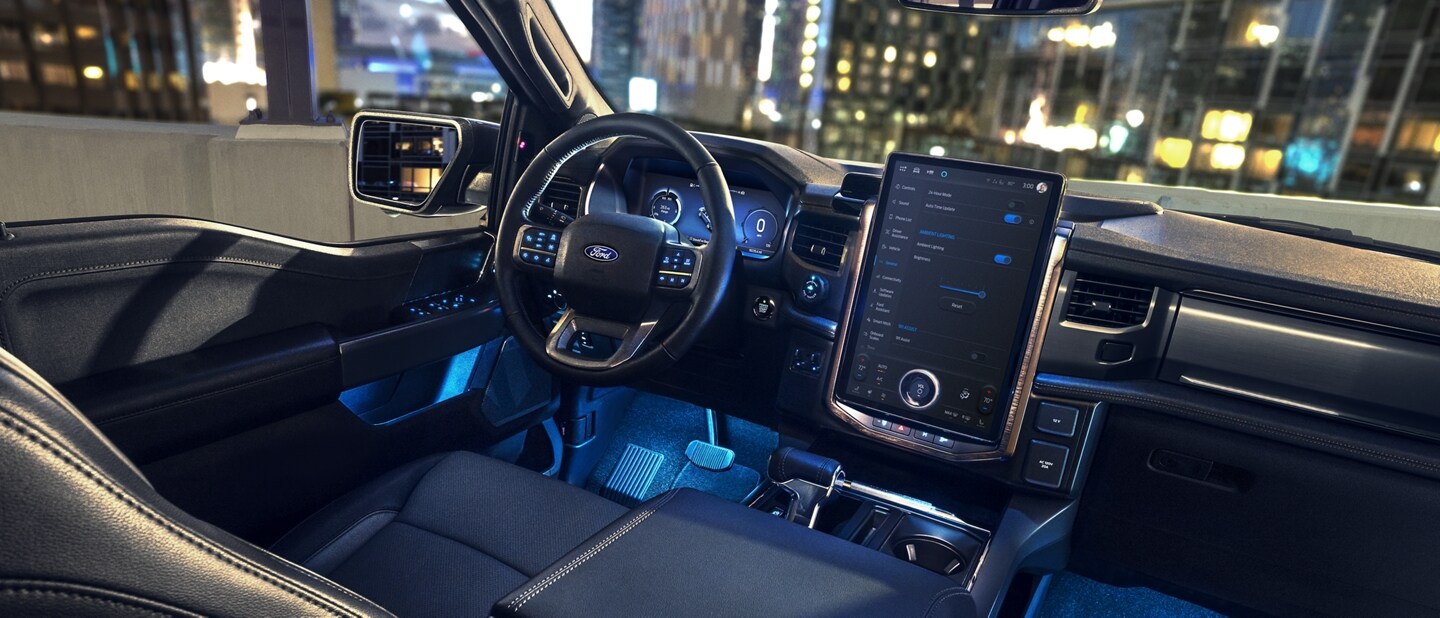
<point>85,534</point>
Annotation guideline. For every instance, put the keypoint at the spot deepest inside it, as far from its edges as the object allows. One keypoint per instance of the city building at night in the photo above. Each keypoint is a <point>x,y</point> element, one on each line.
<point>702,56</point>
<point>1324,97</point>
<point>126,59</point>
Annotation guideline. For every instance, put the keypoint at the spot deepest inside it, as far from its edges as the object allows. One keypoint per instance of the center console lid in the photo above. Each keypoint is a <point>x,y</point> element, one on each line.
<point>686,553</point>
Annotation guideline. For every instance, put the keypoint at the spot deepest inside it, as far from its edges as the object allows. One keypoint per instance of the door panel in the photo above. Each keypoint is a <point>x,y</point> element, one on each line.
<point>78,299</point>
<point>173,334</point>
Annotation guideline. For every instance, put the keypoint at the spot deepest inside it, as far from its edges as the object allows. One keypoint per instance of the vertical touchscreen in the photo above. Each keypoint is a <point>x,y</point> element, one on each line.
<point>956,255</point>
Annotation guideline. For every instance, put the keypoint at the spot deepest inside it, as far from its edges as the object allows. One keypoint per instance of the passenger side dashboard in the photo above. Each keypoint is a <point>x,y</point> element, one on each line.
<point>1255,427</point>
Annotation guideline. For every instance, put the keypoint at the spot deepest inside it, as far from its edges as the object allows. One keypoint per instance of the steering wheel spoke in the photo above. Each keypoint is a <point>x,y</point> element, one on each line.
<point>537,249</point>
<point>574,332</point>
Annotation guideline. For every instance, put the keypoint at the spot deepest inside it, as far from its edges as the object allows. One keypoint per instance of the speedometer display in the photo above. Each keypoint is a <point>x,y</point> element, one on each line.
<point>759,216</point>
<point>665,206</point>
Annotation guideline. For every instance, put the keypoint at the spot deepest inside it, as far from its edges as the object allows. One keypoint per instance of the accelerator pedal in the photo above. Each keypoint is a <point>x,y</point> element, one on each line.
<point>709,456</point>
<point>631,479</point>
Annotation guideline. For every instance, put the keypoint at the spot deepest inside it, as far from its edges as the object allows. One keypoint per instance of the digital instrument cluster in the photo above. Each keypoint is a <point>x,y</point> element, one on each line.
<point>955,257</point>
<point>759,216</point>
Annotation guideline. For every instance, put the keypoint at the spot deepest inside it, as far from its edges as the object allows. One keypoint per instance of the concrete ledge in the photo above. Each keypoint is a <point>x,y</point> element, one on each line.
<point>284,179</point>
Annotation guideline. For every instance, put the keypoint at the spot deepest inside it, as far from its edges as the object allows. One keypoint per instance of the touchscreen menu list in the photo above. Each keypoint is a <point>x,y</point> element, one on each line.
<point>954,254</point>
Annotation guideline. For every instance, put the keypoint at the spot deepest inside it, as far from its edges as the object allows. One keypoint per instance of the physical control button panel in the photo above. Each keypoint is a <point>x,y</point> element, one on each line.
<point>1053,442</point>
<point>675,267</point>
<point>808,361</point>
<point>1056,419</point>
<point>539,246</point>
<point>929,437</point>
<point>436,305</point>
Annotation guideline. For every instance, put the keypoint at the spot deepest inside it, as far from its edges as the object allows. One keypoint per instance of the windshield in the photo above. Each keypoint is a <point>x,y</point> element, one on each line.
<point>1327,98</point>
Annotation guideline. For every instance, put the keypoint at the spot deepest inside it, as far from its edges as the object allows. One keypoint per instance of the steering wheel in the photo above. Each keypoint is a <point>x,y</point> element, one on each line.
<point>624,276</point>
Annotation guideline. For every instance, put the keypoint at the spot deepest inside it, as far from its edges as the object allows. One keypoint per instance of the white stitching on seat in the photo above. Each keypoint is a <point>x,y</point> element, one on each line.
<point>520,601</point>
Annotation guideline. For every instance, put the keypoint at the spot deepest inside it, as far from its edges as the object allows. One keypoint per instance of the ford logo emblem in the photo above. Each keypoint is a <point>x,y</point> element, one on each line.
<point>601,253</point>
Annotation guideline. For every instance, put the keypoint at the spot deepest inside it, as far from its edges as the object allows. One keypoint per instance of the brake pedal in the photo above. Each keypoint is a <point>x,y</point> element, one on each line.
<point>709,456</point>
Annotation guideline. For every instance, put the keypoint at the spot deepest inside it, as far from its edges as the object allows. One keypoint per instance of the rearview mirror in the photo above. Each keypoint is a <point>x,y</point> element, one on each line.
<point>420,164</point>
<point>1006,7</point>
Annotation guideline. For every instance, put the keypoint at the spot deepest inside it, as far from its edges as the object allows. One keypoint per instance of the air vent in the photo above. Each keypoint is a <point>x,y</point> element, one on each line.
<point>564,196</point>
<point>1109,303</point>
<point>821,242</point>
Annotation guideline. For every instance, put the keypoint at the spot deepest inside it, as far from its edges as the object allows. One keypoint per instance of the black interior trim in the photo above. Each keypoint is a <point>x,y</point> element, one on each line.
<point>165,406</point>
<point>383,353</point>
<point>1320,434</point>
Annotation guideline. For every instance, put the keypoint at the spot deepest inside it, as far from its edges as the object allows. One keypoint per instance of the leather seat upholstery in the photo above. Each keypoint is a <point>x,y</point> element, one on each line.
<point>83,533</point>
<point>447,535</point>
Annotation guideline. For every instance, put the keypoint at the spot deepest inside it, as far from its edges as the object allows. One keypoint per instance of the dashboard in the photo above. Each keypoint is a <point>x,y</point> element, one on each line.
<point>677,200</point>
<point>1196,379</point>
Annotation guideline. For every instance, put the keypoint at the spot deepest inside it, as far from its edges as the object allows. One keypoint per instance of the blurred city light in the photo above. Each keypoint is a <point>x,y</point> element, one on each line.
<point>1263,34</point>
<point>1081,35</point>
<point>1075,136</point>
<point>1173,152</point>
<point>644,94</point>
<point>1227,156</point>
<point>1134,118</point>
<point>1226,125</point>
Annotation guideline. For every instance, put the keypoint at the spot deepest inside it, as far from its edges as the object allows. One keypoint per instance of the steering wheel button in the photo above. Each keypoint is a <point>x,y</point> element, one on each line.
<point>549,260</point>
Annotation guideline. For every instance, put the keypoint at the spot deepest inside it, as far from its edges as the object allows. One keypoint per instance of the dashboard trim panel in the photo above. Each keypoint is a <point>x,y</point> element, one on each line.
<point>1019,402</point>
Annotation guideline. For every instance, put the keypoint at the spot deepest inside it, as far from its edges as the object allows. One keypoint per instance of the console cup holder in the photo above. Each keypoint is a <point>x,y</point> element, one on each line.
<point>932,545</point>
<point>930,553</point>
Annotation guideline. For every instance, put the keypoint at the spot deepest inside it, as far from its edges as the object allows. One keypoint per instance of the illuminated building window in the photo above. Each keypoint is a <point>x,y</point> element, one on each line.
<point>57,74</point>
<point>1173,152</point>
<point>1419,136</point>
<point>14,71</point>
<point>1226,125</point>
<point>1265,164</point>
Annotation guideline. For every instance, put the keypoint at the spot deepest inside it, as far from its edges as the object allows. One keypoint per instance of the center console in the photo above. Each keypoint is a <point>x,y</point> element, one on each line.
<point>924,388</point>
<point>946,312</point>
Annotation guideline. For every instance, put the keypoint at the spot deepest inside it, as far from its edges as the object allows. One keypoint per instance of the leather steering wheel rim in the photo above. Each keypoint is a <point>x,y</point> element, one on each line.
<point>716,259</point>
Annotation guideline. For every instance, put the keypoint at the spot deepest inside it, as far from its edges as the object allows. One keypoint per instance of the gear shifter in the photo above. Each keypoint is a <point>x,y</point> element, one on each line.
<point>810,479</point>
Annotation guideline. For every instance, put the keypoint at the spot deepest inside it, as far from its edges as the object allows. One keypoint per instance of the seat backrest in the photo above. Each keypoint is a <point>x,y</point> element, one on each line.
<point>83,533</point>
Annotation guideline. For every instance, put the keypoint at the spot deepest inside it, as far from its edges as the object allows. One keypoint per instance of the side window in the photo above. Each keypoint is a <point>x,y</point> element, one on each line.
<point>159,108</point>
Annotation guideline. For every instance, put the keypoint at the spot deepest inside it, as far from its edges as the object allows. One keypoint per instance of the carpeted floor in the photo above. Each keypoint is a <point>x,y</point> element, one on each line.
<point>1071,596</point>
<point>666,426</point>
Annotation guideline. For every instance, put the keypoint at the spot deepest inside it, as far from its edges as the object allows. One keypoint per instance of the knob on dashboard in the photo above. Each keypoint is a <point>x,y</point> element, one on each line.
<point>814,289</point>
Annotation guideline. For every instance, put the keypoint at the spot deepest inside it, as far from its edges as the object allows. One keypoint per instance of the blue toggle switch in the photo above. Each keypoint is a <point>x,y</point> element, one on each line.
<point>1013,219</point>
<point>1001,258</point>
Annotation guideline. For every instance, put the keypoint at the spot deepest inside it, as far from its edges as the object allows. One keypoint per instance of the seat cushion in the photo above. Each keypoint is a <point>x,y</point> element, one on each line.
<point>447,535</point>
<point>686,553</point>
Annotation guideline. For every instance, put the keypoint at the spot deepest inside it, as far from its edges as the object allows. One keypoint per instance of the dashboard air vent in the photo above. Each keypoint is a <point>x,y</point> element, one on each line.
<point>1109,303</point>
<point>559,204</point>
<point>564,196</point>
<point>821,242</point>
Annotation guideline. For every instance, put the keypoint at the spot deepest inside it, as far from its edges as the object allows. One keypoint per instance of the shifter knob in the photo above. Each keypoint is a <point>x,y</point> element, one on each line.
<point>789,464</point>
<point>809,479</point>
